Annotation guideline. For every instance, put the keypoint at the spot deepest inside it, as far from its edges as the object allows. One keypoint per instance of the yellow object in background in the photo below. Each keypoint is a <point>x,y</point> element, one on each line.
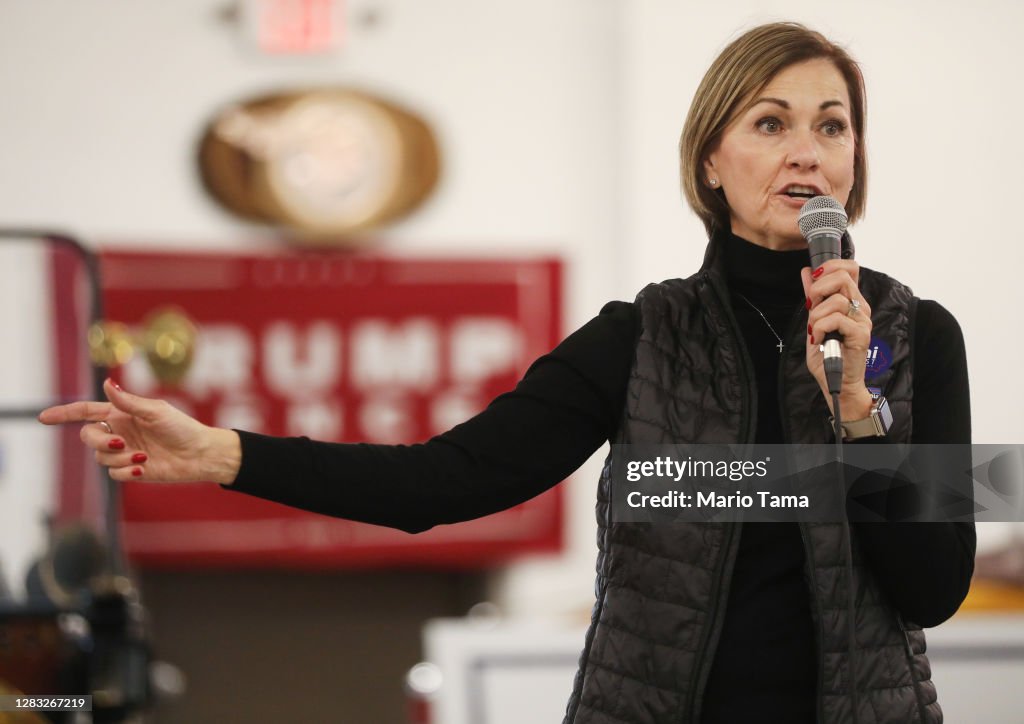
<point>988,596</point>
<point>168,339</point>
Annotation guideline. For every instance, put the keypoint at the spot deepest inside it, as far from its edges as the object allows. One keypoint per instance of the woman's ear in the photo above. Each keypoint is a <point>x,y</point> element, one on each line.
<point>711,179</point>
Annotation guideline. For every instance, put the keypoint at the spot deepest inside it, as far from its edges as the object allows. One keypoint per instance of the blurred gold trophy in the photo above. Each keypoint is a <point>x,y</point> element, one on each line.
<point>168,339</point>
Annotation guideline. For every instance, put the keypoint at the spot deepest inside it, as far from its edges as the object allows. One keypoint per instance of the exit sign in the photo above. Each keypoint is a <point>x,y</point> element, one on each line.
<point>295,27</point>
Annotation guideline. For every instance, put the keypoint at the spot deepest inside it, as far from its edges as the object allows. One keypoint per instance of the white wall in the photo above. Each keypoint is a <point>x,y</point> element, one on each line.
<point>559,123</point>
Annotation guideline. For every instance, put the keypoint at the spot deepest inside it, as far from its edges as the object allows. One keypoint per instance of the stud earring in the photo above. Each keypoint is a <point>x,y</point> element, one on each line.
<point>713,181</point>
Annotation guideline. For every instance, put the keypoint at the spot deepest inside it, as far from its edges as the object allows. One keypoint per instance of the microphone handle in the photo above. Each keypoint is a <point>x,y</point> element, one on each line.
<point>825,245</point>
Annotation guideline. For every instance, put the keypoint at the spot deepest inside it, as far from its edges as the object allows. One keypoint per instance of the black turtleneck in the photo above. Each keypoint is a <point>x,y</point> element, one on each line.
<point>764,282</point>
<point>569,403</point>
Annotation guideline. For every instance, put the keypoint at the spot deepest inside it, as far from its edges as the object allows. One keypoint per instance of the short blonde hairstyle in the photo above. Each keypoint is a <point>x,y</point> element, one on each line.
<point>740,71</point>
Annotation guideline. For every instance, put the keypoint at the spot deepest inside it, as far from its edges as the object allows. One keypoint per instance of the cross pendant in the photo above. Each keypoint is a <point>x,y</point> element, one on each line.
<point>780,345</point>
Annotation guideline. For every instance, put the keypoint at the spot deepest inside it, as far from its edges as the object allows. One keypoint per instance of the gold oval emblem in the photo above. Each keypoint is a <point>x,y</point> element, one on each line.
<point>327,163</point>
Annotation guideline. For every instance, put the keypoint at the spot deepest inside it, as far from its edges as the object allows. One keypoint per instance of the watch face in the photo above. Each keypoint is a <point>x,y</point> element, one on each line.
<point>884,414</point>
<point>326,163</point>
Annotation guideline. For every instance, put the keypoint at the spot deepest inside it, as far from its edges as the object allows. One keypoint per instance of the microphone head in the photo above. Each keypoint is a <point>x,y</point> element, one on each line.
<point>822,214</point>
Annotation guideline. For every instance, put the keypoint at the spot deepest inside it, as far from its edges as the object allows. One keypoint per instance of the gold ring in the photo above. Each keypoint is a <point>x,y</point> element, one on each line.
<point>854,308</point>
<point>106,426</point>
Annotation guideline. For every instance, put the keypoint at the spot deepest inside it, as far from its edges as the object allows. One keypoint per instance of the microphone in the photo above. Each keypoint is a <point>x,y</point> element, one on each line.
<point>75,561</point>
<point>823,222</point>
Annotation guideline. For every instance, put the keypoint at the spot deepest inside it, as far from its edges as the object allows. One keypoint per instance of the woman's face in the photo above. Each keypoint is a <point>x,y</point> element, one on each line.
<point>797,133</point>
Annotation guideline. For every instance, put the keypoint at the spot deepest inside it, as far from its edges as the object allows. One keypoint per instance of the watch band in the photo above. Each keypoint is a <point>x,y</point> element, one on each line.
<point>876,424</point>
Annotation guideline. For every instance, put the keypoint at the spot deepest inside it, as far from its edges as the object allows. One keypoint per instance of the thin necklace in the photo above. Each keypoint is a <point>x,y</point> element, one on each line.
<point>780,345</point>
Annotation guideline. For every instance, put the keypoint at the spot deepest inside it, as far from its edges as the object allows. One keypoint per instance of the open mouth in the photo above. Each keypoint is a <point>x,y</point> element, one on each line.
<point>797,191</point>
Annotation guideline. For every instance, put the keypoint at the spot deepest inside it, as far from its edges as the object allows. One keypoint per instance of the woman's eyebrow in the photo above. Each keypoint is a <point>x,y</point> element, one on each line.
<point>785,104</point>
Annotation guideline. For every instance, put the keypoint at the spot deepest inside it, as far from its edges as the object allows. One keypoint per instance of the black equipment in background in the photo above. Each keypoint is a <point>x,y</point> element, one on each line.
<point>81,629</point>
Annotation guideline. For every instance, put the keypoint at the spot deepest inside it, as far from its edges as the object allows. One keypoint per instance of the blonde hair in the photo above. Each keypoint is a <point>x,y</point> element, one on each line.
<point>745,67</point>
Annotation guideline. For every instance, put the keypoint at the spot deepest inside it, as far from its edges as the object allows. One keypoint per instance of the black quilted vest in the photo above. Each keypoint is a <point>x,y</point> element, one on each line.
<point>661,589</point>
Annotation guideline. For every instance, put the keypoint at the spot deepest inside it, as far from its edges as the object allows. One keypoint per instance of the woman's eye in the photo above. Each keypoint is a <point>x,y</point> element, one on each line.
<point>769,125</point>
<point>833,128</point>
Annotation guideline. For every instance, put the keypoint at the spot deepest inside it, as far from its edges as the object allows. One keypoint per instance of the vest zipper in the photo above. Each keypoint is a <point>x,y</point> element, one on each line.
<point>819,633</point>
<point>709,642</point>
<point>819,629</point>
<point>748,413</point>
<point>748,423</point>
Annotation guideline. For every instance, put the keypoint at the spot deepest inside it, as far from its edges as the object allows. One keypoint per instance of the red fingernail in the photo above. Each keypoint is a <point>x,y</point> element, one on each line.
<point>116,444</point>
<point>817,272</point>
<point>809,330</point>
<point>808,303</point>
<point>137,472</point>
<point>139,458</point>
<point>812,339</point>
<point>116,386</point>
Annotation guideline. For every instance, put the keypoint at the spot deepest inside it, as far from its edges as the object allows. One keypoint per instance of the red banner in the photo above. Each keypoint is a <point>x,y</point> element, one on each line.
<point>339,347</point>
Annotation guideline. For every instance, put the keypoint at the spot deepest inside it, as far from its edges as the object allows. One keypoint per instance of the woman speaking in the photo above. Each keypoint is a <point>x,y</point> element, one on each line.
<point>698,622</point>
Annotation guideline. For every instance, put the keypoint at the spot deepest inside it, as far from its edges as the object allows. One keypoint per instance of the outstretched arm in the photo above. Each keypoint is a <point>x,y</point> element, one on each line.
<point>525,442</point>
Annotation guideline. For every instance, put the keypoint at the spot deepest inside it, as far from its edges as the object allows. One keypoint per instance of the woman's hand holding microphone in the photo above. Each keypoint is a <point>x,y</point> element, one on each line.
<point>140,438</point>
<point>830,289</point>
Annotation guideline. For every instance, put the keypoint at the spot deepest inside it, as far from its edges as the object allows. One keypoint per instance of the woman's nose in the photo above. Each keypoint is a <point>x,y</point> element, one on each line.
<point>802,151</point>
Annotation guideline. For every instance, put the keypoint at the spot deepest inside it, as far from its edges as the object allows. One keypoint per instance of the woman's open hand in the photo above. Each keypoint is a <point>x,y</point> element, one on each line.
<point>830,289</point>
<point>140,438</point>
